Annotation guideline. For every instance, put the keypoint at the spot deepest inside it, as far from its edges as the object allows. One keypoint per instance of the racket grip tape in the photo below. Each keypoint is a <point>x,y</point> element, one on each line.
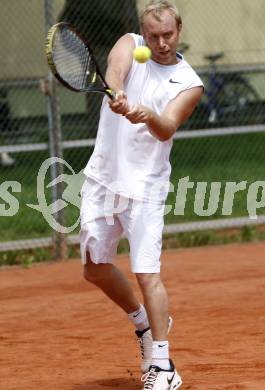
<point>111,94</point>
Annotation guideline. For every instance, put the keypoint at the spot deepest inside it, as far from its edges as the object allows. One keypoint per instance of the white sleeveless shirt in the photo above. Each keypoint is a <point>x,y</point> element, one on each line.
<point>127,158</point>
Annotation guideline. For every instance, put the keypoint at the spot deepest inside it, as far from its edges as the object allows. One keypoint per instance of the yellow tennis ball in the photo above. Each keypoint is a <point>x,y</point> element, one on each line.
<point>142,54</point>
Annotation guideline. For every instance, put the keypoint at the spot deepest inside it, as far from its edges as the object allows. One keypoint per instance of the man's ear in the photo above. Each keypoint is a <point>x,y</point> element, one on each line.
<point>180,27</point>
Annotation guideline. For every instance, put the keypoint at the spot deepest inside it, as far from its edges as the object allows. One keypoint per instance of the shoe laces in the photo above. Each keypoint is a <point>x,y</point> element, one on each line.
<point>141,344</point>
<point>149,378</point>
<point>141,340</point>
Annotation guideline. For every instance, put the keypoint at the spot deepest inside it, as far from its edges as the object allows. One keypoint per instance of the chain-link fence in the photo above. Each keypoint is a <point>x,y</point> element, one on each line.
<point>223,142</point>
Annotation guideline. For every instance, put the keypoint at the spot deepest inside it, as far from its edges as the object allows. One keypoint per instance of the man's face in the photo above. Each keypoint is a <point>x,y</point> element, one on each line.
<point>162,37</point>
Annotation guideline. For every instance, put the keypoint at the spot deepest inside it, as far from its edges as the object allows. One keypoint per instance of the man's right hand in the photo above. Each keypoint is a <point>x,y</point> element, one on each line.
<point>120,104</point>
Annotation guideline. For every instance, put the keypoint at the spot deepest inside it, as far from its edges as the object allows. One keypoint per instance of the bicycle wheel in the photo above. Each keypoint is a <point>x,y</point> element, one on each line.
<point>235,99</point>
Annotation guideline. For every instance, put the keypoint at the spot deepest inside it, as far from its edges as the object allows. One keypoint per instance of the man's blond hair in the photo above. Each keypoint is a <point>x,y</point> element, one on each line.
<point>156,7</point>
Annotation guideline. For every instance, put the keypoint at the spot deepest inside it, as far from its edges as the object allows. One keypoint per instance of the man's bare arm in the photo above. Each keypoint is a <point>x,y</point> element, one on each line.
<point>119,64</point>
<point>175,114</point>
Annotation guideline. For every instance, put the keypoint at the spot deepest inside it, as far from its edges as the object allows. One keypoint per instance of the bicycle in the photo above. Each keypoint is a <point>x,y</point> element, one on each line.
<point>227,97</point>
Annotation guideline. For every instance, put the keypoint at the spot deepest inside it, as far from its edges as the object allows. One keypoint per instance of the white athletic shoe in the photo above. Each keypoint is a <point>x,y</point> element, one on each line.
<point>158,379</point>
<point>145,341</point>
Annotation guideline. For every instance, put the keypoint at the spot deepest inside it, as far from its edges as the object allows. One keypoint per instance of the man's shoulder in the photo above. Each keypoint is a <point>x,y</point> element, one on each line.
<point>138,39</point>
<point>185,67</point>
<point>187,74</point>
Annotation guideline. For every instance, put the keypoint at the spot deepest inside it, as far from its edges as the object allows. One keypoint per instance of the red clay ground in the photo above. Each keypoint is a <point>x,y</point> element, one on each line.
<point>59,332</point>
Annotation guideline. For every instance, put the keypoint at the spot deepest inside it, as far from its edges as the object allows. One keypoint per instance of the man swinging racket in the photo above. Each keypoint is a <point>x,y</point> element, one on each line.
<point>130,165</point>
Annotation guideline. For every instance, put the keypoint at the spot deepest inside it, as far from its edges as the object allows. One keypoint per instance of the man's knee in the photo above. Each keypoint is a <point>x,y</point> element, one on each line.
<point>148,281</point>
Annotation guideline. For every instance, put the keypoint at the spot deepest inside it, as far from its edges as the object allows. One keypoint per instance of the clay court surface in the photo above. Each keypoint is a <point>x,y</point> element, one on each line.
<point>59,332</point>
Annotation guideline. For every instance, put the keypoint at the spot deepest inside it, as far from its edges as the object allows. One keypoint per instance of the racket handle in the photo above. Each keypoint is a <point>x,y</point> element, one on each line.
<point>111,94</point>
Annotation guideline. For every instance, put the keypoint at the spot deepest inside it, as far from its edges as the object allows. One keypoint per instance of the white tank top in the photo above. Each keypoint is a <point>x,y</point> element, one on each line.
<point>127,158</point>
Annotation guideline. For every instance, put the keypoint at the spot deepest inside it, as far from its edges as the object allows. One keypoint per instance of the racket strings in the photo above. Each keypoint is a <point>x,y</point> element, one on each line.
<point>72,59</point>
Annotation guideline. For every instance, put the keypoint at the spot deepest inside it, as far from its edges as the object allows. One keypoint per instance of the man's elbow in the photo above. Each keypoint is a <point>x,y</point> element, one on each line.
<point>167,134</point>
<point>164,131</point>
<point>164,138</point>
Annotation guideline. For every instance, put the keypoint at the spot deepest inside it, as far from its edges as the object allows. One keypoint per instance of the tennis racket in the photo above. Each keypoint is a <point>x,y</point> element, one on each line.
<point>72,61</point>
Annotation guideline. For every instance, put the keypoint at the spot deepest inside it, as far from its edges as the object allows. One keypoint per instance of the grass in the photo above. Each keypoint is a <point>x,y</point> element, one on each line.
<point>219,159</point>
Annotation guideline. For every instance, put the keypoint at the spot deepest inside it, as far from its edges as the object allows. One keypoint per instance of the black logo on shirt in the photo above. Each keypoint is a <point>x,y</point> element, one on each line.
<point>174,82</point>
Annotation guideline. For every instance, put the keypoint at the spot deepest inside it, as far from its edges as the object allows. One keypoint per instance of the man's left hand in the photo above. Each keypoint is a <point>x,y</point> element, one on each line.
<point>138,114</point>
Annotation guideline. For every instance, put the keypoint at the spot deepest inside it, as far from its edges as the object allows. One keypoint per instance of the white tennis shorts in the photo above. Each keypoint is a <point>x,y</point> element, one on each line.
<point>106,216</point>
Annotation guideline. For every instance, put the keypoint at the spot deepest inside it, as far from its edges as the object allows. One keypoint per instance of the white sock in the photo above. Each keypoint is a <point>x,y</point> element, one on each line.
<point>139,318</point>
<point>160,354</point>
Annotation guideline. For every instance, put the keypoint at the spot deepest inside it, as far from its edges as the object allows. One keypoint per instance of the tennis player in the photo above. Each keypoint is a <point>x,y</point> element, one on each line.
<point>128,179</point>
